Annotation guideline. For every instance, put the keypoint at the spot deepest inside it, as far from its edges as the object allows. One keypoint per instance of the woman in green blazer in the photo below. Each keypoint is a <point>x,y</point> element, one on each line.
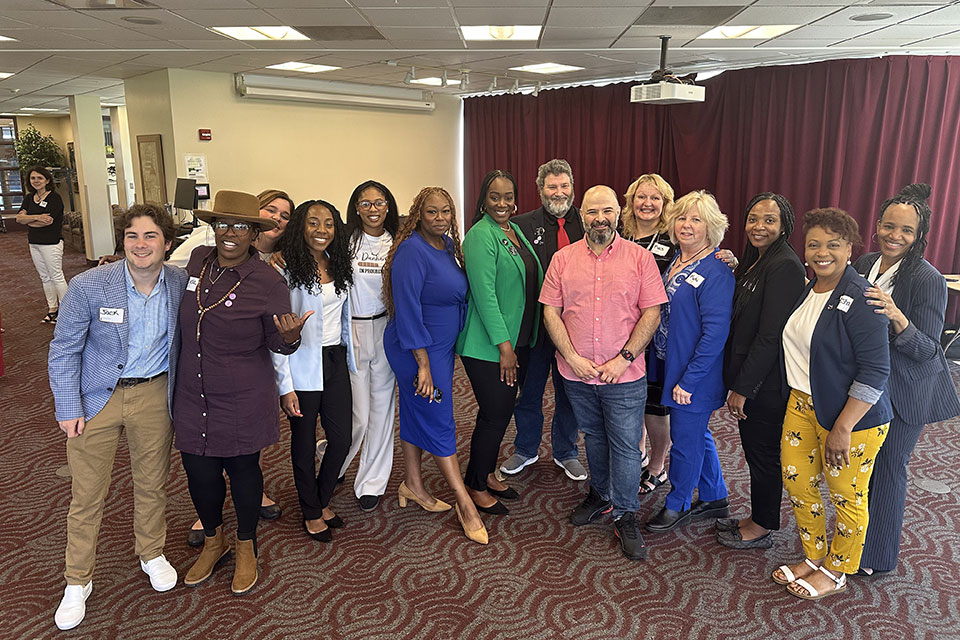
<point>502,317</point>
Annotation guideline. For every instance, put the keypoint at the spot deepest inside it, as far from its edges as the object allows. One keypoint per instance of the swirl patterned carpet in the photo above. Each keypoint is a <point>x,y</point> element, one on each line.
<point>408,574</point>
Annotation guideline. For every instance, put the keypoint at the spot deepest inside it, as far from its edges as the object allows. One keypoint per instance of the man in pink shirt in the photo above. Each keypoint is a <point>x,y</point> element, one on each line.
<point>601,298</point>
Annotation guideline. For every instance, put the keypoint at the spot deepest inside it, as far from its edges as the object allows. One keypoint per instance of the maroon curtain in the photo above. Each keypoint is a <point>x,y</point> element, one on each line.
<point>845,133</point>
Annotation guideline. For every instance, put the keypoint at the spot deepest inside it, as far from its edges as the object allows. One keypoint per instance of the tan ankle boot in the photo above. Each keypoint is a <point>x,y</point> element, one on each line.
<point>245,571</point>
<point>214,549</point>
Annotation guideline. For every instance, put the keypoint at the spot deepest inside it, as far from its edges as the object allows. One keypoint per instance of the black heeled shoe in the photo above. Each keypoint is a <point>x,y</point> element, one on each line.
<point>336,522</point>
<point>507,494</point>
<point>496,509</point>
<point>319,536</point>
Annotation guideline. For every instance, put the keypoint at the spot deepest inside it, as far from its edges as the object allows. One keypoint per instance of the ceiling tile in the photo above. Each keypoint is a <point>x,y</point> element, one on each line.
<point>66,18</point>
<point>230,18</point>
<point>899,13</point>
<point>687,16</point>
<point>609,17</point>
<point>410,17</point>
<point>219,43</point>
<point>386,4</point>
<point>207,4</point>
<point>946,15</point>
<point>781,43</point>
<point>713,3</point>
<point>28,38</point>
<point>501,15</point>
<point>424,45</point>
<point>645,42</point>
<point>301,4</point>
<point>421,33</point>
<point>677,34</point>
<point>833,34</point>
<point>319,17</point>
<point>501,3</point>
<point>780,15</point>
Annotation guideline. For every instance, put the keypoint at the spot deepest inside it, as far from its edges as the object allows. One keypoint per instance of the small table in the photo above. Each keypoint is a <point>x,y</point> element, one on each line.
<point>953,289</point>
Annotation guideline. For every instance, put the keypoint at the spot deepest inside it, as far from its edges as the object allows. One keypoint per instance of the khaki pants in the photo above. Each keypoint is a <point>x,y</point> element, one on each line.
<point>142,412</point>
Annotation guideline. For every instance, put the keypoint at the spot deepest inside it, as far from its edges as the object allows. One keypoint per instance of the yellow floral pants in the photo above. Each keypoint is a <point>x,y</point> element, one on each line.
<point>801,460</point>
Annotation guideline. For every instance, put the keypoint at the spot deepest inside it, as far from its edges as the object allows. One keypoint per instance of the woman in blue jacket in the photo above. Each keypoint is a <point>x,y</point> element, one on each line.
<point>913,295</point>
<point>836,361</point>
<point>688,344</point>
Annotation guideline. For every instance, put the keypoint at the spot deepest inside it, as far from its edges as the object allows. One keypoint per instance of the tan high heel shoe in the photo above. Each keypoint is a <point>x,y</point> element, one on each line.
<point>404,494</point>
<point>477,535</point>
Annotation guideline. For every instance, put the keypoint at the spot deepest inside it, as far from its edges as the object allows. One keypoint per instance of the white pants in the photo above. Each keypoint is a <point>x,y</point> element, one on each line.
<point>48,259</point>
<point>373,405</point>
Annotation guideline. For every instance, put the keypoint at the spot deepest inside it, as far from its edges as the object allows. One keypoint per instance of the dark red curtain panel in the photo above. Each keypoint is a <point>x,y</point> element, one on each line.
<point>845,133</point>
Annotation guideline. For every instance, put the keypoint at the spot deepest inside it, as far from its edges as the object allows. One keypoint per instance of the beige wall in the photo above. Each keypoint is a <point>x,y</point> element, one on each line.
<point>148,112</point>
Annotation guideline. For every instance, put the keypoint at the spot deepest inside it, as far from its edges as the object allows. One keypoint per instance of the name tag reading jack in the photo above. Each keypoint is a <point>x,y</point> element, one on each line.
<point>844,303</point>
<point>192,283</point>
<point>113,316</point>
<point>695,280</point>
<point>659,249</point>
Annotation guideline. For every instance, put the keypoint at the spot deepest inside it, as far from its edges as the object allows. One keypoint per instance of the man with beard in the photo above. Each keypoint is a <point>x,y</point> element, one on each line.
<point>602,298</point>
<point>549,228</point>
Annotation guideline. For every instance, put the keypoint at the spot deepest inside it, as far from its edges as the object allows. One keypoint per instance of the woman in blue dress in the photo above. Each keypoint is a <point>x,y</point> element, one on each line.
<point>425,293</point>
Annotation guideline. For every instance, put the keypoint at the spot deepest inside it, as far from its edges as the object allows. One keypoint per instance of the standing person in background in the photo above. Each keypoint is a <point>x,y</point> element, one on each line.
<point>912,294</point>
<point>554,225</point>
<point>372,223</point>
<point>502,317</point>
<point>42,212</point>
<point>769,281</point>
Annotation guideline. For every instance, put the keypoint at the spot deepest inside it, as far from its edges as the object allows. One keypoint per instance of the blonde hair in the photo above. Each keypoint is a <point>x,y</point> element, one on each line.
<point>709,210</point>
<point>627,215</point>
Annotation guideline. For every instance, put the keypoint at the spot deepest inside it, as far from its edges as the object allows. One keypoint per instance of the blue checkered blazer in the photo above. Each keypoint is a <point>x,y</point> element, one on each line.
<point>87,355</point>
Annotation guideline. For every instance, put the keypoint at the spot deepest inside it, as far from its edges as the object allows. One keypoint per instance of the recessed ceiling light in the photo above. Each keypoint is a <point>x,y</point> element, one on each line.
<point>741,32</point>
<point>4,74</point>
<point>6,39</point>
<point>110,104</point>
<point>547,67</point>
<point>260,33</point>
<point>140,20</point>
<point>871,17</point>
<point>302,67</point>
<point>434,81</point>
<point>493,32</point>
<point>35,109</point>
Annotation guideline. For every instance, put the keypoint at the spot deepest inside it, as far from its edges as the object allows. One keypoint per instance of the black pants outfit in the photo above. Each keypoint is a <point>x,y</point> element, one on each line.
<point>208,490</point>
<point>495,401</point>
<point>760,438</point>
<point>334,407</point>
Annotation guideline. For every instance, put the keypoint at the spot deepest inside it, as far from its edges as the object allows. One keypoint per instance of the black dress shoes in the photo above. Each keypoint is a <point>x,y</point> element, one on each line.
<point>368,503</point>
<point>497,509</point>
<point>507,494</point>
<point>319,536</point>
<point>270,512</point>
<point>336,522</point>
<point>700,510</point>
<point>668,520</point>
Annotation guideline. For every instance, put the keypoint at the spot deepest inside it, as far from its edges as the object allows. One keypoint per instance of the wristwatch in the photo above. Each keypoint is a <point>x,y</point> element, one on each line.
<point>629,357</point>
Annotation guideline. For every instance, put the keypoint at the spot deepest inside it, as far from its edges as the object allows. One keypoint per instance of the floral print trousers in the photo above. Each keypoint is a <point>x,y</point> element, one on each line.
<point>801,459</point>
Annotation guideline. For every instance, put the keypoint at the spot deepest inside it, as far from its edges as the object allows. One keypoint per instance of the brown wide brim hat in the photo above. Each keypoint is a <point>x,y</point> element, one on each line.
<point>240,206</point>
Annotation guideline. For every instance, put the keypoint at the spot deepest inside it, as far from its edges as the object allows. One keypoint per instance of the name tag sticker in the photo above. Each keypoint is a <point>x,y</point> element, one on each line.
<point>113,316</point>
<point>43,203</point>
<point>659,249</point>
<point>844,303</point>
<point>695,280</point>
<point>192,283</point>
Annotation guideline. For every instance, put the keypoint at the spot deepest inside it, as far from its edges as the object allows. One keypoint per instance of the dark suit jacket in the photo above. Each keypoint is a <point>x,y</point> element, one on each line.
<point>920,385</point>
<point>753,348</point>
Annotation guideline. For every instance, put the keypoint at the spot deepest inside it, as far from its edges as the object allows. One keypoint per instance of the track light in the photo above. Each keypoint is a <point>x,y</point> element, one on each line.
<point>536,89</point>
<point>443,78</point>
<point>493,85</point>
<point>464,80</point>
<point>411,76</point>
<point>516,86</point>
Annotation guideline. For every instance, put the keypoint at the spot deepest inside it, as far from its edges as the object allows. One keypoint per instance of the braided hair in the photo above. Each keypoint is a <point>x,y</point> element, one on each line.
<point>751,269</point>
<point>485,187</point>
<point>354,225</point>
<point>301,265</point>
<point>916,196</point>
<point>407,228</point>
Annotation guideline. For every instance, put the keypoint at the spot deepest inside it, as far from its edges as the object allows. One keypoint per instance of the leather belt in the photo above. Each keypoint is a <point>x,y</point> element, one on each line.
<point>379,315</point>
<point>126,383</point>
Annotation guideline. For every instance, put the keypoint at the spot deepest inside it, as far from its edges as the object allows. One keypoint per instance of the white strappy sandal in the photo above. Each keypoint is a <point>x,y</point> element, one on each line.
<point>789,574</point>
<point>813,594</point>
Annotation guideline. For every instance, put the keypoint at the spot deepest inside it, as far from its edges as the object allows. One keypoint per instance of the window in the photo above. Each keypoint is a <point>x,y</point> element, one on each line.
<point>11,186</point>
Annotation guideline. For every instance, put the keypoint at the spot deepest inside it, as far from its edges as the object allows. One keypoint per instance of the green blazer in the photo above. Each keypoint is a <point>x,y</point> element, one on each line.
<point>497,284</point>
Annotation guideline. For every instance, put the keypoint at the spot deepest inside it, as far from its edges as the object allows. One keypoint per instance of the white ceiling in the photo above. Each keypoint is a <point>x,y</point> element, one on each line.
<point>62,48</point>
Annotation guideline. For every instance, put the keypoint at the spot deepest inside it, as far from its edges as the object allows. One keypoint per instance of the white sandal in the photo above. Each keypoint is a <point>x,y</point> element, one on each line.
<point>813,594</point>
<point>789,574</point>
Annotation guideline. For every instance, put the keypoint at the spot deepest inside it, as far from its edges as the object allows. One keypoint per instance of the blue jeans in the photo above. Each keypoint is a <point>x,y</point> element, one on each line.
<point>528,412</point>
<point>611,418</point>
<point>693,460</point>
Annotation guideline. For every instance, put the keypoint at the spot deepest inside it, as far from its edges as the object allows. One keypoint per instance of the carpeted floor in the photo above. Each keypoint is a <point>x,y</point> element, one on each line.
<point>406,573</point>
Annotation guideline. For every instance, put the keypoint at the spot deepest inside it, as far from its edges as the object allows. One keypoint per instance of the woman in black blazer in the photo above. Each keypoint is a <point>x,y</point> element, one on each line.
<point>913,295</point>
<point>770,278</point>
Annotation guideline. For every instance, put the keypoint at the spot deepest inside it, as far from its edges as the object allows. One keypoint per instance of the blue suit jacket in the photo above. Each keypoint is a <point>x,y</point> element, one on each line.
<point>87,355</point>
<point>848,355</point>
<point>699,324</point>
<point>920,385</point>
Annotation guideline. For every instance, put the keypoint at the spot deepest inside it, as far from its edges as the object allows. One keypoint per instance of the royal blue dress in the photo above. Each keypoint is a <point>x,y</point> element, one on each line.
<point>430,305</point>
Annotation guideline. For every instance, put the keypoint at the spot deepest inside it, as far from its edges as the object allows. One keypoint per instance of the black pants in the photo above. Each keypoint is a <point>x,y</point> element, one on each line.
<point>334,407</point>
<point>208,490</point>
<point>495,401</point>
<point>760,437</point>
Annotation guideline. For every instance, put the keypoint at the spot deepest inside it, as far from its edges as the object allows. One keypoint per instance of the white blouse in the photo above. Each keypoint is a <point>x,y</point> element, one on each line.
<point>797,335</point>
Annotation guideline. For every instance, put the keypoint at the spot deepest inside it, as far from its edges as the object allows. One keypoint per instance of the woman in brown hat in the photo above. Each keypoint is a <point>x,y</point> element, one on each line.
<point>236,310</point>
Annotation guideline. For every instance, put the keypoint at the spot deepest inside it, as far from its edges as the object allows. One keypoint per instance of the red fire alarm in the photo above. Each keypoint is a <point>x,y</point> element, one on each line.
<point>205,134</point>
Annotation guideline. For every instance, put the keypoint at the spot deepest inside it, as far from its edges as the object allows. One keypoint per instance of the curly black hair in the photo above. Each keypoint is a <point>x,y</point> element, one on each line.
<point>301,265</point>
<point>354,226</point>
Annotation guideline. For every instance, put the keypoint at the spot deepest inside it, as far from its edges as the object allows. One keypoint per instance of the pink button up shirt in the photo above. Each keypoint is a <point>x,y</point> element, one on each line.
<point>601,298</point>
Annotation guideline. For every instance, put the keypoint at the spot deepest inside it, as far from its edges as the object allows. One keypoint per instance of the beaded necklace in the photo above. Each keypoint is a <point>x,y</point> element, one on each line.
<point>203,310</point>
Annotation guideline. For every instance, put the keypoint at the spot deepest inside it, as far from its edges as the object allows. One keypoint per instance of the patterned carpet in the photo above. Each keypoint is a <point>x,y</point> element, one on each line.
<point>408,574</point>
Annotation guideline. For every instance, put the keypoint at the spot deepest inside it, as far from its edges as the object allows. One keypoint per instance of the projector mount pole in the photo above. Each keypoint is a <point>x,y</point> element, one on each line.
<point>660,74</point>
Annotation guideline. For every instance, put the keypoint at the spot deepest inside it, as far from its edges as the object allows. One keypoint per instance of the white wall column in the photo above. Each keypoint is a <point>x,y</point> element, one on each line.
<point>86,120</point>
<point>123,154</point>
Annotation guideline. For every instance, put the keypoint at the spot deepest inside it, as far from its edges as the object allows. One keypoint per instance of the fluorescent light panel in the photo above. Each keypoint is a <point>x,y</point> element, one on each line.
<point>36,109</point>
<point>501,33</point>
<point>547,67</point>
<point>302,67</point>
<point>4,74</point>
<point>435,81</point>
<point>260,33</point>
<point>6,39</point>
<point>743,32</point>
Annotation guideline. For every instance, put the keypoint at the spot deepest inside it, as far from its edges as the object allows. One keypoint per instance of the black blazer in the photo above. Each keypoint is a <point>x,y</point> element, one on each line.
<point>921,389</point>
<point>540,229</point>
<point>750,360</point>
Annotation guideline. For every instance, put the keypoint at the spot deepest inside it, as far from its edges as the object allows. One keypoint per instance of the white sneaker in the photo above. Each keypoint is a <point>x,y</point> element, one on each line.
<point>73,606</point>
<point>163,576</point>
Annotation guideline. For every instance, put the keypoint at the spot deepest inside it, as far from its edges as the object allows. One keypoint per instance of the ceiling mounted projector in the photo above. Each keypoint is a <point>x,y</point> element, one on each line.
<point>666,88</point>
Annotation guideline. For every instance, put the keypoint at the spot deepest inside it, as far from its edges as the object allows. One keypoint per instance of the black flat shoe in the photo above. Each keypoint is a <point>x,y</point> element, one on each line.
<point>701,510</point>
<point>368,503</point>
<point>667,520</point>
<point>336,522</point>
<point>497,509</point>
<point>507,494</point>
<point>734,540</point>
<point>270,512</point>
<point>319,536</point>
<point>727,524</point>
<point>195,537</point>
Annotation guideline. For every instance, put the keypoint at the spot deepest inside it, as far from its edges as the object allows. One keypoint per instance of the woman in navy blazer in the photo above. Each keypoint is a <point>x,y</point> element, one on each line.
<point>689,358</point>
<point>836,362</point>
<point>913,295</point>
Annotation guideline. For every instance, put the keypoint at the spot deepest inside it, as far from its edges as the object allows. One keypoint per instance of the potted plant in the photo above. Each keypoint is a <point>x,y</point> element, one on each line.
<point>35,149</point>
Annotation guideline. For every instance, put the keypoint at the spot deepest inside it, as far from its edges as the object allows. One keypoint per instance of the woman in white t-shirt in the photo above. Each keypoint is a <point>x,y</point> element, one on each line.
<point>372,223</point>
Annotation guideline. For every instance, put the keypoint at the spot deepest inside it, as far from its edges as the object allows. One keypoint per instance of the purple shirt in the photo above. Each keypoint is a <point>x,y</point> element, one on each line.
<point>225,403</point>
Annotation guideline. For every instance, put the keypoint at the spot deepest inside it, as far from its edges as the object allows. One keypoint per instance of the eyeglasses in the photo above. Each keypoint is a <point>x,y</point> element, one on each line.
<point>366,205</point>
<point>239,227</point>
